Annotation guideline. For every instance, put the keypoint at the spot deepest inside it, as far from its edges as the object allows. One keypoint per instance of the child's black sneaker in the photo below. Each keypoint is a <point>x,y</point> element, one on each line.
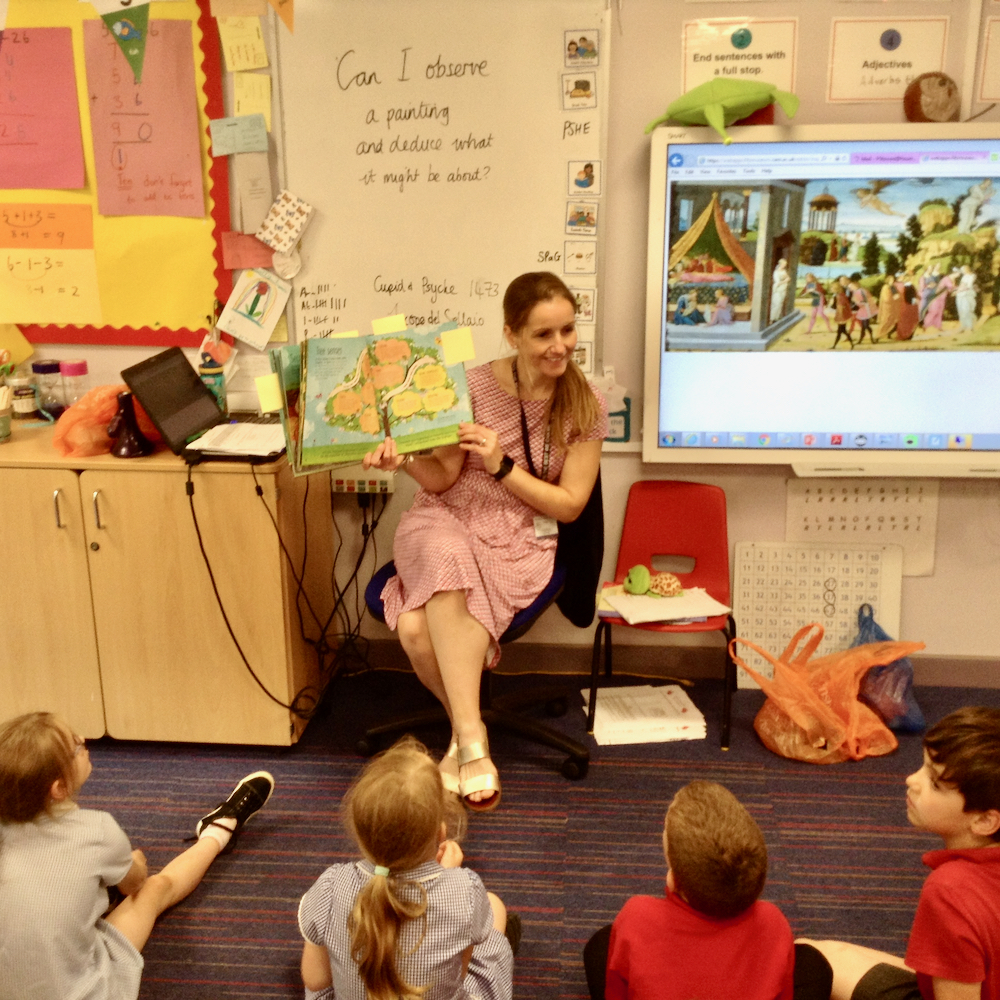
<point>246,800</point>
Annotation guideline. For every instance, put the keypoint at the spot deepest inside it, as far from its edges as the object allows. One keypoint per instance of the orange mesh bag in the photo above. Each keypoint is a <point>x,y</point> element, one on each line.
<point>812,712</point>
<point>82,430</point>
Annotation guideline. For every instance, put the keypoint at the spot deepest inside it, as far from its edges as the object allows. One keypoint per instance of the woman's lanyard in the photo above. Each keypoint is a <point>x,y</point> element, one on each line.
<point>547,452</point>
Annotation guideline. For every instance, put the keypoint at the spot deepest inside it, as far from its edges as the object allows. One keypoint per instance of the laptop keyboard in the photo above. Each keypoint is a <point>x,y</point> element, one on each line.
<point>253,417</point>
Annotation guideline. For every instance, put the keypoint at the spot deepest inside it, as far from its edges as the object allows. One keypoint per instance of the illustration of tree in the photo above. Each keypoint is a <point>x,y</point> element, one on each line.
<point>394,380</point>
<point>871,254</point>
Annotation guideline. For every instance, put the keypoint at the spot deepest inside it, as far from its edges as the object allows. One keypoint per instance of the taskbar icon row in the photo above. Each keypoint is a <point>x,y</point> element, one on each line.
<point>845,441</point>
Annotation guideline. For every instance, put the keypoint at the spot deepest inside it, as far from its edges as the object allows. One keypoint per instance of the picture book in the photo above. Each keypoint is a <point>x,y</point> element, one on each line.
<point>355,391</point>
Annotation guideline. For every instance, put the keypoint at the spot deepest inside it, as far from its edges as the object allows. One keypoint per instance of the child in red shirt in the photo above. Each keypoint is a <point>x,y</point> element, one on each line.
<point>954,947</point>
<point>709,936</point>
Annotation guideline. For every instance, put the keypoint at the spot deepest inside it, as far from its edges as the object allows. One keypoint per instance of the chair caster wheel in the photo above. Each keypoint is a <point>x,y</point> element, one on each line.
<point>574,769</point>
<point>556,708</point>
<point>366,747</point>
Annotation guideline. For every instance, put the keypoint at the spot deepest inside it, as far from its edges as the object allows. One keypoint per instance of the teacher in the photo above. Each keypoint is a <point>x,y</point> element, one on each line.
<point>479,542</point>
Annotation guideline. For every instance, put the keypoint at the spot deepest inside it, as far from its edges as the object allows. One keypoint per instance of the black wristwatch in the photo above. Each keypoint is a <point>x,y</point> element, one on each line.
<point>506,464</point>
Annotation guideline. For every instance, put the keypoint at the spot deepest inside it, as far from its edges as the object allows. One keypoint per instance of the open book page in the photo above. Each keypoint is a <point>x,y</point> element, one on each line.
<point>356,391</point>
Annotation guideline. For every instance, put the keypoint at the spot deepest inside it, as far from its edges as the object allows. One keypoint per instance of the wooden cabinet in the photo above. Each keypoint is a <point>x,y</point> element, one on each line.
<point>110,612</point>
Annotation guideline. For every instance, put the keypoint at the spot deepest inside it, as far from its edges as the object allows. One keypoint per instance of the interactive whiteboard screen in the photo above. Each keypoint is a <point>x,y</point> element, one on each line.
<point>826,297</point>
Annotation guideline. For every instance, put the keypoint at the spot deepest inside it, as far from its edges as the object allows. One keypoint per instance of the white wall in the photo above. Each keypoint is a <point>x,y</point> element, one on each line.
<point>952,610</point>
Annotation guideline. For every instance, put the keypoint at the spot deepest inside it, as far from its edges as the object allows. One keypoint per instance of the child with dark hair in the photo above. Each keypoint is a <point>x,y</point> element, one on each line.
<point>406,921</point>
<point>954,947</point>
<point>710,936</point>
<point>57,861</point>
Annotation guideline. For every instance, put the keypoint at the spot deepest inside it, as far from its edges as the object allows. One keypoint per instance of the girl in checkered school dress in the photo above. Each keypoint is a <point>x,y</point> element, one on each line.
<point>405,921</point>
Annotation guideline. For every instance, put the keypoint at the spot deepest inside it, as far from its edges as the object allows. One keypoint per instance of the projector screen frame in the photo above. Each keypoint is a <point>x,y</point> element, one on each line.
<point>848,461</point>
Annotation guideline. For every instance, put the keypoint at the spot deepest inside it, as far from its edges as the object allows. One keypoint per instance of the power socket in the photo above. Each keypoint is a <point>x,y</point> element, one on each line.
<point>356,479</point>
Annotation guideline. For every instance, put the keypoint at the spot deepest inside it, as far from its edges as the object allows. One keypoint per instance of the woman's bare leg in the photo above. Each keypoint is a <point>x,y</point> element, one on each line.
<point>849,963</point>
<point>416,642</point>
<point>460,642</point>
<point>135,915</point>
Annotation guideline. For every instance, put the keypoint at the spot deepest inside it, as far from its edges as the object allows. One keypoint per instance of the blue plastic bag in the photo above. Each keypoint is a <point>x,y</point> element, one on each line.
<point>888,689</point>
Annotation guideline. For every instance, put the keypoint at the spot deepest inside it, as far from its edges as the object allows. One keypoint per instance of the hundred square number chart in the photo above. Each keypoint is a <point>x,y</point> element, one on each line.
<point>781,586</point>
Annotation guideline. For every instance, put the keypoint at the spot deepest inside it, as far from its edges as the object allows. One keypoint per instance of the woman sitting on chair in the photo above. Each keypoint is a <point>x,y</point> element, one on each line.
<point>479,542</point>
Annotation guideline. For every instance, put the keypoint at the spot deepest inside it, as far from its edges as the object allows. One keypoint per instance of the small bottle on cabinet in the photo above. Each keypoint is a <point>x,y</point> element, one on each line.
<point>214,377</point>
<point>50,389</point>
<point>22,397</point>
<point>74,375</point>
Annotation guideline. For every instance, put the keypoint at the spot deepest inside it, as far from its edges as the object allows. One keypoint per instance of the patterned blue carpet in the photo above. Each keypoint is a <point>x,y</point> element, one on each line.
<point>843,860</point>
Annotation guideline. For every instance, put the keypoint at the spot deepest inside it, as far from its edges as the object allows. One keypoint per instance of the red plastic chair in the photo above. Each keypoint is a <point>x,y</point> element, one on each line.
<point>670,518</point>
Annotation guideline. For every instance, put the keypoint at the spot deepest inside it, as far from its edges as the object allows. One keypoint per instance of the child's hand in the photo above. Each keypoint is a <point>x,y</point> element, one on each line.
<point>450,854</point>
<point>136,877</point>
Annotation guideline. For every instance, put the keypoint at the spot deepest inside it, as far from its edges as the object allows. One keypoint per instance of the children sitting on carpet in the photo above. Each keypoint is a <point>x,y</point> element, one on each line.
<point>57,862</point>
<point>709,936</point>
<point>405,920</point>
<point>954,947</point>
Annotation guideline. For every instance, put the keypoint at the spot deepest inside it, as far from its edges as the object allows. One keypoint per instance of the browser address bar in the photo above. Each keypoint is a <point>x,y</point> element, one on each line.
<point>800,159</point>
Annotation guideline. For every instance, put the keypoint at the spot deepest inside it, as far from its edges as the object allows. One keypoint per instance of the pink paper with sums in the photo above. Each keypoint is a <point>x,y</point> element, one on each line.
<point>40,141</point>
<point>147,147</point>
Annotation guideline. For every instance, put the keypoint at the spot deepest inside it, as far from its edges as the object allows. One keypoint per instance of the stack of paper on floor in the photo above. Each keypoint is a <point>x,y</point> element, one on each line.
<point>693,605</point>
<point>645,714</point>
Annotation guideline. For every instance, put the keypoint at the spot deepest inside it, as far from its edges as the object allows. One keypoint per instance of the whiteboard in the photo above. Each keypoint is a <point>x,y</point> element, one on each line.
<point>442,147</point>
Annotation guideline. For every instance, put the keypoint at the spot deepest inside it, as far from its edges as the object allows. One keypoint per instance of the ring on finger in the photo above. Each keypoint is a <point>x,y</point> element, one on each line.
<point>482,442</point>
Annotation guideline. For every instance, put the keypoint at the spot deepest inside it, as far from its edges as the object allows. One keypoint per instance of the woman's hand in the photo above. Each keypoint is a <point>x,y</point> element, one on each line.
<point>483,441</point>
<point>385,457</point>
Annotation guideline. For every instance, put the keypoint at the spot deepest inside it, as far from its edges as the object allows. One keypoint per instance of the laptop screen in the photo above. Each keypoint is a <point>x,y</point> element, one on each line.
<point>170,391</point>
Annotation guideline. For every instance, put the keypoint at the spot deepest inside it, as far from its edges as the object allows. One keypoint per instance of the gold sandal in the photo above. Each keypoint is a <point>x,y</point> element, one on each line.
<point>482,782</point>
<point>451,781</point>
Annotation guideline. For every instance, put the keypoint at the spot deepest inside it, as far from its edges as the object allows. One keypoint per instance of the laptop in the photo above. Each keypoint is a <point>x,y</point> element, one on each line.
<point>182,407</point>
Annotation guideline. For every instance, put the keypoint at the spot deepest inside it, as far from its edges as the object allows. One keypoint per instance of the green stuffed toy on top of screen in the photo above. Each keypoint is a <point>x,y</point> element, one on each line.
<point>721,102</point>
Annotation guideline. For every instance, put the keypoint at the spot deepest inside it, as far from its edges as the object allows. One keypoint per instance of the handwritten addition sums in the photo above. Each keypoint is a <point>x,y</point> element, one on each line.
<point>902,511</point>
<point>48,270</point>
<point>779,587</point>
<point>40,141</point>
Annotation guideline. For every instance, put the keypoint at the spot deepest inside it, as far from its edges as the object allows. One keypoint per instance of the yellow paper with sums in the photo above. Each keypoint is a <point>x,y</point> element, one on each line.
<point>242,43</point>
<point>49,286</point>
<point>252,95</point>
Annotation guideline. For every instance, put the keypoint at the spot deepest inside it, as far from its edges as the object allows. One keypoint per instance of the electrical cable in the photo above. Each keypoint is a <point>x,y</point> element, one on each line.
<point>296,706</point>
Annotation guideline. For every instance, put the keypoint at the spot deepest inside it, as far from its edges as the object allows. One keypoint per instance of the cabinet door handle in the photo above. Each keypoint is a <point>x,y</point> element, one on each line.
<point>55,503</point>
<point>97,511</point>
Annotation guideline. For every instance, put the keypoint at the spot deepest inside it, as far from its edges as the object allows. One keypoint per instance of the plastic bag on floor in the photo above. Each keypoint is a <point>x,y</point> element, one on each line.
<point>812,712</point>
<point>888,689</point>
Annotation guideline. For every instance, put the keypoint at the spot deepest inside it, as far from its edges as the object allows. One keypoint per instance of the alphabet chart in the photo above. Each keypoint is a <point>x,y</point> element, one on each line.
<point>901,511</point>
<point>781,586</point>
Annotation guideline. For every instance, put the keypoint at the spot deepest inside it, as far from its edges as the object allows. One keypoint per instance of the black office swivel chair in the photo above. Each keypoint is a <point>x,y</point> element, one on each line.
<point>573,587</point>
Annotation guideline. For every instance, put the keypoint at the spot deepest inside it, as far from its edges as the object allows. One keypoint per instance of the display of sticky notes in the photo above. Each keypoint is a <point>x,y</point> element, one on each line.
<point>457,345</point>
<point>242,43</point>
<point>241,134</point>
<point>252,95</point>
<point>285,222</point>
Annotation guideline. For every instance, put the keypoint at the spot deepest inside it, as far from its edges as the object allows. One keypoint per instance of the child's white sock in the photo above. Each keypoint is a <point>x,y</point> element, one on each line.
<point>220,829</point>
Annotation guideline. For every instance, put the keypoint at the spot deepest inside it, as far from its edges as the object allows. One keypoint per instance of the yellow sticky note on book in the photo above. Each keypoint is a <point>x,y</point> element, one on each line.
<point>345,334</point>
<point>457,345</point>
<point>268,392</point>
<point>389,324</point>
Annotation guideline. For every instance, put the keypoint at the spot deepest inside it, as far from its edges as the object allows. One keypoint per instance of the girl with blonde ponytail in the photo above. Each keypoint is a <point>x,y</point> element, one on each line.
<point>406,922</point>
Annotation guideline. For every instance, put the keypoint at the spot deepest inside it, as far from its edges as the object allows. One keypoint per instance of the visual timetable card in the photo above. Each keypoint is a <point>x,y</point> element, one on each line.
<point>48,270</point>
<point>40,141</point>
<point>147,146</point>
<point>876,58</point>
